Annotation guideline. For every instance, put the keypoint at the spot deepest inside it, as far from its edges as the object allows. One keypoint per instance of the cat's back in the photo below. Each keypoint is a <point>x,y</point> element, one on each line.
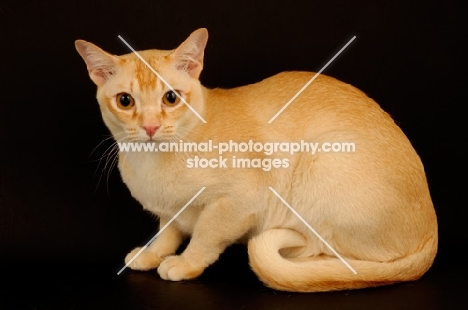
<point>292,88</point>
<point>288,99</point>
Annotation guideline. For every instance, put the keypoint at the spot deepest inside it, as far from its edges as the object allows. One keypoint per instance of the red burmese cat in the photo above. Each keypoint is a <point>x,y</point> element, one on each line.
<point>372,205</point>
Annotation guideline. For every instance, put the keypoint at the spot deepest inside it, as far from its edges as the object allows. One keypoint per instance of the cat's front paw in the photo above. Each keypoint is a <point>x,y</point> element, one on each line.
<point>144,261</point>
<point>177,268</point>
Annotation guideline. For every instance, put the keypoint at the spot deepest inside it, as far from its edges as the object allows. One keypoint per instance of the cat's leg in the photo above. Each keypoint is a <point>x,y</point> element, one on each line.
<point>219,225</point>
<point>165,244</point>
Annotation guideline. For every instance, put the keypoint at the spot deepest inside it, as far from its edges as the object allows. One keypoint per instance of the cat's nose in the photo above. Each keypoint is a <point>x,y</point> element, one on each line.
<point>150,130</point>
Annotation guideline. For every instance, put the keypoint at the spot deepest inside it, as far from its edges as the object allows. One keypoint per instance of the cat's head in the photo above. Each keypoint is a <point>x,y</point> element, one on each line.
<point>136,104</point>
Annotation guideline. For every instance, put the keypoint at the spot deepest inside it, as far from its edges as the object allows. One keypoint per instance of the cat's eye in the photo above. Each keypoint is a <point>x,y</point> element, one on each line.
<point>171,98</point>
<point>125,101</point>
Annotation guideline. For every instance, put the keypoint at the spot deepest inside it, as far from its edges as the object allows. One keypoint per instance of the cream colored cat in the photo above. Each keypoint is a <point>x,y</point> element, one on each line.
<point>372,206</point>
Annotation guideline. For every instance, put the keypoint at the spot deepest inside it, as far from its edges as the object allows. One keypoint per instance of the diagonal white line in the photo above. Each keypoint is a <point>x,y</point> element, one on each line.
<point>162,229</point>
<point>162,79</point>
<point>311,80</point>
<point>313,230</point>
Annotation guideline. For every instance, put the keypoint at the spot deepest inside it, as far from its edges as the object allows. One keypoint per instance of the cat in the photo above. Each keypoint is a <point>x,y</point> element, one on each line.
<point>372,206</point>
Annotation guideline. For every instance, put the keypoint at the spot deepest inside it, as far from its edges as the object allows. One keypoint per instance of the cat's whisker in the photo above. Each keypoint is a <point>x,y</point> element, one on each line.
<point>106,153</point>
<point>102,141</point>
<point>115,158</point>
<point>109,153</point>
<point>99,144</point>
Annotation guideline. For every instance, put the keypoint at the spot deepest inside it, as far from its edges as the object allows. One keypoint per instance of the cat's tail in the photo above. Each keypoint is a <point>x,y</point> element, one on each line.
<point>315,274</point>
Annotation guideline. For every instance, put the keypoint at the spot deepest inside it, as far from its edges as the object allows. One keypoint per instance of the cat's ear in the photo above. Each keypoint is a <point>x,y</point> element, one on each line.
<point>188,56</point>
<point>101,65</point>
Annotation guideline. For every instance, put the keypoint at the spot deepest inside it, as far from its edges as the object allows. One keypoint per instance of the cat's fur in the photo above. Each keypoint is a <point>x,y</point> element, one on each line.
<point>372,206</point>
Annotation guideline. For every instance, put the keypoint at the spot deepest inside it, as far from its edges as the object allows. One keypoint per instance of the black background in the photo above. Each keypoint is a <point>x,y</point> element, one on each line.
<point>63,215</point>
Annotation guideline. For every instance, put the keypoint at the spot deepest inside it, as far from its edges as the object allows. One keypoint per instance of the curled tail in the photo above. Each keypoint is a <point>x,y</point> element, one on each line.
<point>314,274</point>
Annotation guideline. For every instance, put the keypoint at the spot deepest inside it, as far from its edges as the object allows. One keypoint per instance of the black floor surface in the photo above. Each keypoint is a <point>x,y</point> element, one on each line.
<point>229,284</point>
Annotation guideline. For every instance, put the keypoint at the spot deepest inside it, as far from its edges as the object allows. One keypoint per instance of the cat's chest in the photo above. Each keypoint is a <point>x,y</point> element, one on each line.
<point>155,181</point>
